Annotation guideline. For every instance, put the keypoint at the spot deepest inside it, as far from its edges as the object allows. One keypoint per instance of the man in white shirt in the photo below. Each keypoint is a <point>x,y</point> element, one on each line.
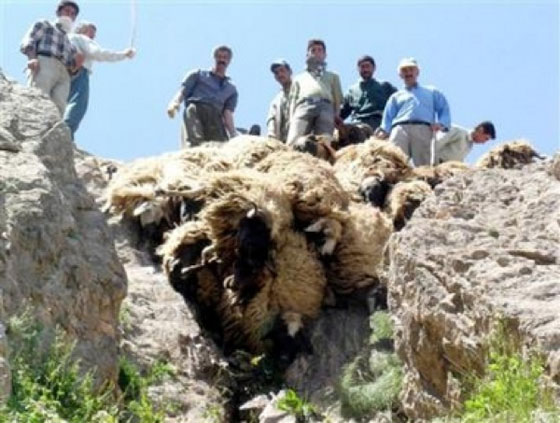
<point>83,40</point>
<point>455,144</point>
<point>278,113</point>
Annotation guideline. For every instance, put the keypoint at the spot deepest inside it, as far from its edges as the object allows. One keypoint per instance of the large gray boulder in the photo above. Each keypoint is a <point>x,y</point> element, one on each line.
<point>57,258</point>
<point>486,246</point>
<point>156,324</point>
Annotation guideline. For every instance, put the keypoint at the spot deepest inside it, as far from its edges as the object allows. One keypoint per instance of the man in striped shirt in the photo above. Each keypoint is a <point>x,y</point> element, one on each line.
<point>50,54</point>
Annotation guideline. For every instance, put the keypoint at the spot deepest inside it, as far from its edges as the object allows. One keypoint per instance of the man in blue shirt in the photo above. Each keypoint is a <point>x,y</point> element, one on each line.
<point>413,114</point>
<point>210,99</point>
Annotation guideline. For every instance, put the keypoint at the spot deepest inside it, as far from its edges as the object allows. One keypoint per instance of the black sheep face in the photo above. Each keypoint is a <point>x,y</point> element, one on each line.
<point>253,244</point>
<point>374,190</point>
<point>355,135</point>
<point>284,347</point>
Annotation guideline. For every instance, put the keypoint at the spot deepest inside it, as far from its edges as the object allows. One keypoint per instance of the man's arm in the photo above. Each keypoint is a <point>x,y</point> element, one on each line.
<point>229,107</point>
<point>94,51</point>
<point>389,114</point>
<point>346,108</point>
<point>174,104</point>
<point>31,38</point>
<point>293,98</point>
<point>271,120</point>
<point>186,88</point>
<point>337,94</point>
<point>28,45</point>
<point>442,109</point>
<point>228,123</point>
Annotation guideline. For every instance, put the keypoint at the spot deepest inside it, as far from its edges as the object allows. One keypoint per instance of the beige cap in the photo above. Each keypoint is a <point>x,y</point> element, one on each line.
<point>408,62</point>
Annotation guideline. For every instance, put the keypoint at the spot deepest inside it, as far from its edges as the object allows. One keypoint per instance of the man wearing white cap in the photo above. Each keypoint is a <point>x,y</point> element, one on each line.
<point>279,110</point>
<point>413,114</point>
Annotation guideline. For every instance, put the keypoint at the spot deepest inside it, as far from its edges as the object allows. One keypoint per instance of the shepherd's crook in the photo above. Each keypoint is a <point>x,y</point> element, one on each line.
<point>132,23</point>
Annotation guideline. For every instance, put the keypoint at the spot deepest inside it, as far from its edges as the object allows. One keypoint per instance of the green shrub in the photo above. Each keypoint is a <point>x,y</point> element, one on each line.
<point>512,388</point>
<point>381,326</point>
<point>369,386</point>
<point>292,403</point>
<point>372,381</point>
<point>48,386</point>
<point>511,391</point>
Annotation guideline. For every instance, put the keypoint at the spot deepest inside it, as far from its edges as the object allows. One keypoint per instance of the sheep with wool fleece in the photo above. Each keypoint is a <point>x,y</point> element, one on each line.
<point>356,258</point>
<point>312,189</point>
<point>246,151</point>
<point>435,175</point>
<point>403,199</point>
<point>510,155</point>
<point>186,266</point>
<point>293,291</point>
<point>374,157</point>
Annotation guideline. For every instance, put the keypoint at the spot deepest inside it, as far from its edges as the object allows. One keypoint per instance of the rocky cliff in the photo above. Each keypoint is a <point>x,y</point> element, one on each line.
<point>484,248</point>
<point>57,259</point>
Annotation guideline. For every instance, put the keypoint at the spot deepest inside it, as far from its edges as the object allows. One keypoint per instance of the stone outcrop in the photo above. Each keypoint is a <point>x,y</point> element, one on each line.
<point>485,247</point>
<point>56,252</point>
<point>157,325</point>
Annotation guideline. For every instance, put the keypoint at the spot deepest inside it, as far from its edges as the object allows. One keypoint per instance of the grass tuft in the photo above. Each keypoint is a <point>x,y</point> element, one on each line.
<point>48,385</point>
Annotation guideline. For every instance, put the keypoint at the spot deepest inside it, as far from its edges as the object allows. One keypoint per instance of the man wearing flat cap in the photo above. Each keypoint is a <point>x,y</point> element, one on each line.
<point>278,112</point>
<point>414,114</point>
<point>51,55</point>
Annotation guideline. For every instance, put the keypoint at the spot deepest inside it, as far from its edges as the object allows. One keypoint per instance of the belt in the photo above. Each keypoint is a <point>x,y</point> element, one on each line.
<point>59,58</point>
<point>412,122</point>
<point>315,100</point>
<point>48,54</point>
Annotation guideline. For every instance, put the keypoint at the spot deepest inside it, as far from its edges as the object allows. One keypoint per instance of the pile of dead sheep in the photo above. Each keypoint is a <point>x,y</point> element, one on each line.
<point>258,236</point>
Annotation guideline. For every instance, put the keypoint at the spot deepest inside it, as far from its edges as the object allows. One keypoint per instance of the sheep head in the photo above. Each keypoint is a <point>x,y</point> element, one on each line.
<point>374,189</point>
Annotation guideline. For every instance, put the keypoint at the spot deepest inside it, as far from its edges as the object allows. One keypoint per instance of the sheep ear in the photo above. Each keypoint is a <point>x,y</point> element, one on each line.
<point>315,227</point>
<point>252,213</point>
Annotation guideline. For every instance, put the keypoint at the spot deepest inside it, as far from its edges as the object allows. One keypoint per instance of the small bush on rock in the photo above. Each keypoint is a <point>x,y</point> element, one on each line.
<point>49,387</point>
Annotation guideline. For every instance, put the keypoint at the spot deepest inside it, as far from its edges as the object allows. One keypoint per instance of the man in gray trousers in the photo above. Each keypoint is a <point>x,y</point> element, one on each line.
<point>413,114</point>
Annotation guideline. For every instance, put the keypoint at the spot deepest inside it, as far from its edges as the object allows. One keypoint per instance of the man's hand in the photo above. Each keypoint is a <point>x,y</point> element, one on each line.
<point>338,122</point>
<point>172,108</point>
<point>33,65</point>
<point>436,127</point>
<point>380,134</point>
<point>79,58</point>
<point>130,53</point>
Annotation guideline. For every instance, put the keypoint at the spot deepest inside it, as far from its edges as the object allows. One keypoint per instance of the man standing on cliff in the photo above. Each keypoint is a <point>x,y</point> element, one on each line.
<point>366,99</point>
<point>51,55</point>
<point>413,114</point>
<point>278,113</point>
<point>315,96</point>
<point>210,99</point>
<point>84,40</point>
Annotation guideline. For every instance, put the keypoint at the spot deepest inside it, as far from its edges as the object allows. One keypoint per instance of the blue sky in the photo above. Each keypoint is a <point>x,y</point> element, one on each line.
<point>493,60</point>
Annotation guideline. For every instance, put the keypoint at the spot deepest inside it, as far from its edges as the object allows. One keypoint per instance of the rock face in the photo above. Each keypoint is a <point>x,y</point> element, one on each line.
<point>485,246</point>
<point>56,252</point>
<point>156,323</point>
